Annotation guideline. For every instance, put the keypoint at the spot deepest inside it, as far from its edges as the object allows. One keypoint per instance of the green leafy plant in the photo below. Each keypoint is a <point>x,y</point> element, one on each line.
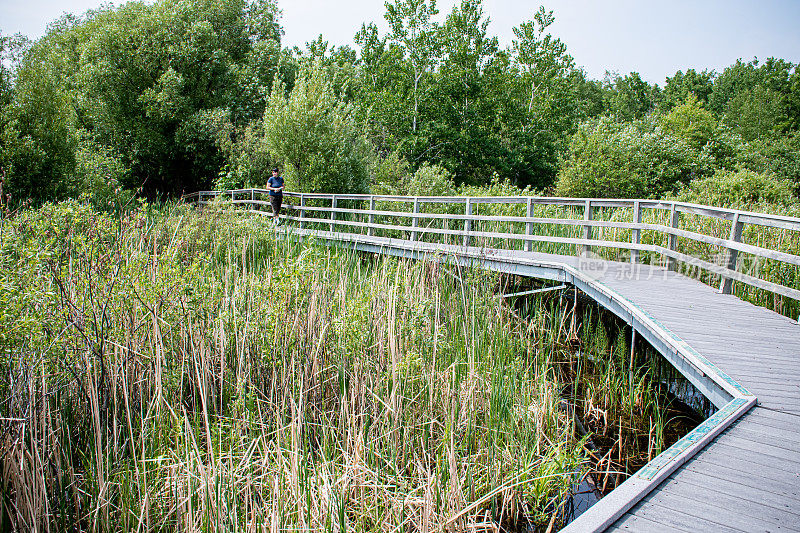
<point>315,134</point>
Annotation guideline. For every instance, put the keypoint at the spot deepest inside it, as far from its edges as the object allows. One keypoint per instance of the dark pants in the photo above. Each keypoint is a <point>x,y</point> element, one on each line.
<point>276,201</point>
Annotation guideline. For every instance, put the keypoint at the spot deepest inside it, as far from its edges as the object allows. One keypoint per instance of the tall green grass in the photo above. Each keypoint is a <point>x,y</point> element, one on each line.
<point>174,370</point>
<point>197,372</point>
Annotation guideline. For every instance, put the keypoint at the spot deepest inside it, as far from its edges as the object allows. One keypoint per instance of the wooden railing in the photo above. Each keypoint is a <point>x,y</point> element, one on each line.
<point>572,225</point>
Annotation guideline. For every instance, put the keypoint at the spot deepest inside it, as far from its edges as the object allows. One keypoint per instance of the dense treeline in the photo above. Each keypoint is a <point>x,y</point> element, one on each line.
<point>187,94</point>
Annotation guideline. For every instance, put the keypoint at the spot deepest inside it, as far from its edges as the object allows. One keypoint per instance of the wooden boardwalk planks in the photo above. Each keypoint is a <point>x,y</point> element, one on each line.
<point>748,478</point>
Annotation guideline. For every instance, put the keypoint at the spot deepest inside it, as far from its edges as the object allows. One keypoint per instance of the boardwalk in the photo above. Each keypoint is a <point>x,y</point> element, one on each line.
<point>747,478</point>
<point>740,470</point>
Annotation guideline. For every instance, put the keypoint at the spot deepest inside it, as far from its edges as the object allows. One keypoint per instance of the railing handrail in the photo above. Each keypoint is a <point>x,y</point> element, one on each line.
<point>725,213</point>
<point>727,271</point>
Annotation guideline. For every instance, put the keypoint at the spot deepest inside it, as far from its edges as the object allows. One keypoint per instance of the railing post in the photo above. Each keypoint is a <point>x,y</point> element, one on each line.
<point>587,230</point>
<point>636,235</point>
<point>672,241</point>
<point>467,222</point>
<point>333,210</point>
<point>529,226</point>
<point>370,229</point>
<point>414,218</point>
<point>731,256</point>
<point>302,211</point>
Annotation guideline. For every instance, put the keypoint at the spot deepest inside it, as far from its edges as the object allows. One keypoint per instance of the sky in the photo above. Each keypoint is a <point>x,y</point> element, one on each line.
<point>652,38</point>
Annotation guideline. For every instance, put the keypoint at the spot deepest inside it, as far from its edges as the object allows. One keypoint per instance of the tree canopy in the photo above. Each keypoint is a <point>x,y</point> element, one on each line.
<point>179,95</point>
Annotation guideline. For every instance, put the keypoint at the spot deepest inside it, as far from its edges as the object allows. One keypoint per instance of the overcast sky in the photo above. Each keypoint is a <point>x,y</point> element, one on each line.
<point>652,38</point>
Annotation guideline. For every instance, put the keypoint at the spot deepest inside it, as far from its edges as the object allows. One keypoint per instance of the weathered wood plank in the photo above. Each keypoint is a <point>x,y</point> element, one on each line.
<point>736,458</point>
<point>771,436</point>
<point>690,510</point>
<point>673,520</point>
<point>779,386</point>
<point>768,417</point>
<point>758,446</point>
<point>737,454</point>
<point>755,351</point>
<point>646,524</point>
<point>765,373</point>
<point>780,400</point>
<point>750,510</point>
<point>737,481</point>
<point>758,478</point>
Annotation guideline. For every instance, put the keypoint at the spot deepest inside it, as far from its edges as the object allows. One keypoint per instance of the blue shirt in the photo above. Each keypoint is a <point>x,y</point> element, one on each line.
<point>275,181</point>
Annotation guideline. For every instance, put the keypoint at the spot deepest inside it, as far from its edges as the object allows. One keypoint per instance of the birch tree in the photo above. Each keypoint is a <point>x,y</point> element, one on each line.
<point>412,27</point>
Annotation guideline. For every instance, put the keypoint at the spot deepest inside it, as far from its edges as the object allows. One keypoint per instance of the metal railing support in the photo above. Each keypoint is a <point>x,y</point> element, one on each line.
<point>302,211</point>
<point>672,240</point>
<point>587,230</point>
<point>371,221</point>
<point>467,222</point>
<point>333,210</point>
<point>414,219</point>
<point>529,226</point>
<point>731,256</point>
<point>636,235</point>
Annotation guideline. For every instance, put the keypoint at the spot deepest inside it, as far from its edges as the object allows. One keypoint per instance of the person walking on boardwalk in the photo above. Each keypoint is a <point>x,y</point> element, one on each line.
<point>275,188</point>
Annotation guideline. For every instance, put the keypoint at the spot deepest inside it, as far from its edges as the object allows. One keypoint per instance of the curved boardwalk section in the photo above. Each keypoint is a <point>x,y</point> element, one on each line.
<point>747,478</point>
<point>750,473</point>
<point>740,469</point>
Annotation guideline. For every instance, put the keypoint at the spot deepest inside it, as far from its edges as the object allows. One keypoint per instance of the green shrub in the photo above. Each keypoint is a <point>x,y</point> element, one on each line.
<point>431,180</point>
<point>639,159</point>
<point>496,187</point>
<point>739,188</point>
<point>100,175</point>
<point>390,175</point>
<point>249,160</point>
<point>394,178</point>
<point>316,135</point>
<point>757,113</point>
<point>690,122</point>
<point>780,156</point>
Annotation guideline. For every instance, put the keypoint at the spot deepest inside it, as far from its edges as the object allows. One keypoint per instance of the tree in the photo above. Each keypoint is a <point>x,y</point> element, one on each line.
<point>39,121</point>
<point>756,113</point>
<point>680,86</point>
<point>691,122</point>
<point>773,76</point>
<point>793,101</point>
<point>315,135</point>
<point>383,90</point>
<point>774,155</point>
<point>630,97</point>
<point>547,88</point>
<point>412,27</point>
<point>162,87</point>
<point>12,51</point>
<point>462,107</point>
<point>193,67</point>
<point>262,62</point>
<point>542,58</point>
